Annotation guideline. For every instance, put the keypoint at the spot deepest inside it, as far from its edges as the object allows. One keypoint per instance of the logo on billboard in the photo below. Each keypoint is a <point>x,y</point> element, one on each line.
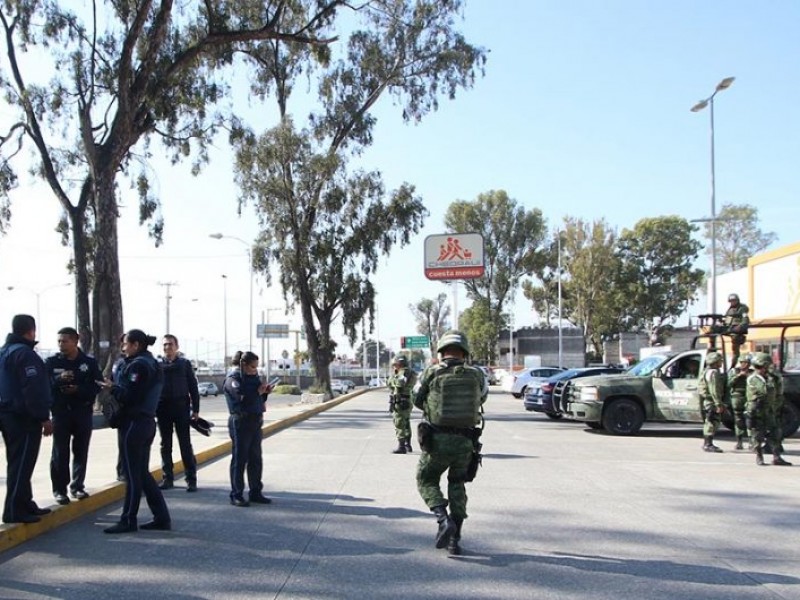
<point>454,256</point>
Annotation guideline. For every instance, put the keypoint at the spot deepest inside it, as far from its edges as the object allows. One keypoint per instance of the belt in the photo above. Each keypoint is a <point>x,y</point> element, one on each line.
<point>466,431</point>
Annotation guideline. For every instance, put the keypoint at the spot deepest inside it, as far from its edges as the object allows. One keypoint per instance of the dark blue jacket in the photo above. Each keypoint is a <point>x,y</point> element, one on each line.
<point>241,394</point>
<point>180,383</point>
<point>83,372</point>
<point>139,384</point>
<point>24,385</point>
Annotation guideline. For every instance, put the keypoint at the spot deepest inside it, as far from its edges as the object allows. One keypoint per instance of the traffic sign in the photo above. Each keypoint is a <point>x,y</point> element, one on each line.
<point>415,341</point>
<point>454,256</point>
<point>272,330</point>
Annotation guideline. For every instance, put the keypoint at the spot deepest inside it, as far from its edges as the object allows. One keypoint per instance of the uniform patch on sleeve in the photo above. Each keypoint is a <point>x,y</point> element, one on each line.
<point>31,371</point>
<point>235,384</point>
<point>133,377</point>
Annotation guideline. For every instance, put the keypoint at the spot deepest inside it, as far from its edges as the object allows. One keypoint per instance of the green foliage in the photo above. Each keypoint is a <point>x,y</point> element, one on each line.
<point>432,318</point>
<point>481,326</point>
<point>738,236</point>
<point>657,276</point>
<point>292,390</point>
<point>512,245</point>
<point>369,348</point>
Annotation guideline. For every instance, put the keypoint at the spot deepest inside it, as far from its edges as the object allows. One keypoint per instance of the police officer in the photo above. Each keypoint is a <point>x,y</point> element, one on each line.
<point>401,382</point>
<point>24,417</point>
<point>180,403</point>
<point>450,394</point>
<point>736,320</point>
<point>246,396</point>
<point>73,379</point>
<point>138,389</point>
<point>737,385</point>
<point>712,392</point>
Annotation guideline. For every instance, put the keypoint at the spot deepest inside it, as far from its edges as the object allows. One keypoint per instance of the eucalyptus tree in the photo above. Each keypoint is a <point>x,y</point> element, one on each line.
<point>658,278</point>
<point>326,223</point>
<point>431,316</point>
<point>513,243</point>
<point>738,236</point>
<point>100,82</point>
<point>481,326</point>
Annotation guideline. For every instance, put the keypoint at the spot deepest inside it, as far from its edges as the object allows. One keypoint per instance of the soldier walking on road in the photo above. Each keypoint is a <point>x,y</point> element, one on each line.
<point>760,421</point>
<point>401,382</point>
<point>179,404</point>
<point>450,394</point>
<point>73,377</point>
<point>712,393</point>
<point>737,385</point>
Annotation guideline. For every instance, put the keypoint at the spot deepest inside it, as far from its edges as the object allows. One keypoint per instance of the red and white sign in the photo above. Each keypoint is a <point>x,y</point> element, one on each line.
<point>454,256</point>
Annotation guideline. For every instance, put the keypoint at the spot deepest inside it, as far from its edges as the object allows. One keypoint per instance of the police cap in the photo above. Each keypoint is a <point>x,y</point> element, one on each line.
<point>202,426</point>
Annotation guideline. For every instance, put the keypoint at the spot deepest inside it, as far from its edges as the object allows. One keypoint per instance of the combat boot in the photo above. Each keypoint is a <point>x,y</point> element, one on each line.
<point>409,449</point>
<point>401,447</point>
<point>709,445</point>
<point>447,527</point>
<point>739,442</point>
<point>759,457</point>
<point>779,462</point>
<point>453,547</point>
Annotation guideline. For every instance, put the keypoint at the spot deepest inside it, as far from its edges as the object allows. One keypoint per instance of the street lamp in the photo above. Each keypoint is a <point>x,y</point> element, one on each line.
<point>219,236</point>
<point>38,299</point>
<point>560,335</point>
<point>722,85</point>
<point>225,321</point>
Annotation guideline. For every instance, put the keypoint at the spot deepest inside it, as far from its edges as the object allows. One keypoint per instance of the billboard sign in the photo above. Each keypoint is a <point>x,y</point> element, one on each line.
<point>454,256</point>
<point>272,330</point>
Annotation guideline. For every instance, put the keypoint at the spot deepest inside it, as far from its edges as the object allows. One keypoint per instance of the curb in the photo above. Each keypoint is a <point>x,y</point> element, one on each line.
<point>13,534</point>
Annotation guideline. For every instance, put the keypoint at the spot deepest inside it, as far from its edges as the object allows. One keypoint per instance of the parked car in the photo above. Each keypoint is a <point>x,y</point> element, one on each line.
<point>489,373</point>
<point>548,397</point>
<point>349,384</point>
<point>528,377</point>
<point>338,386</point>
<point>207,388</point>
<point>376,382</point>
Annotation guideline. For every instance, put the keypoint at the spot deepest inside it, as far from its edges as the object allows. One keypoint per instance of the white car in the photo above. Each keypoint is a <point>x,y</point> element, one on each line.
<point>338,386</point>
<point>206,388</point>
<point>376,382</point>
<point>531,377</point>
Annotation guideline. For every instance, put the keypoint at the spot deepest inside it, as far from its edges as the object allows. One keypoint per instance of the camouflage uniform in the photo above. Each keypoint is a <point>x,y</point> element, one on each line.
<point>712,392</point>
<point>401,382</point>
<point>737,386</point>
<point>761,422</point>
<point>736,319</point>
<point>775,403</point>
<point>448,449</point>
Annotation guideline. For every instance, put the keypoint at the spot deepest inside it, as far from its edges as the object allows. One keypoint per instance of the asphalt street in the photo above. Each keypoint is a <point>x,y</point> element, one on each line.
<point>558,511</point>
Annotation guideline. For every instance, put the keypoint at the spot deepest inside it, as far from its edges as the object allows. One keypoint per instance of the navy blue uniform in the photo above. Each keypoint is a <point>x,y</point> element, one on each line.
<point>179,396</point>
<point>246,407</point>
<point>74,389</point>
<point>24,405</point>
<point>138,388</point>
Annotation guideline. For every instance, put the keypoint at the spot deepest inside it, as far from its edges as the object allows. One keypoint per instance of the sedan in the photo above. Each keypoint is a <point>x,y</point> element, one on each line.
<point>547,397</point>
<point>207,388</point>
<point>338,386</point>
<point>531,377</point>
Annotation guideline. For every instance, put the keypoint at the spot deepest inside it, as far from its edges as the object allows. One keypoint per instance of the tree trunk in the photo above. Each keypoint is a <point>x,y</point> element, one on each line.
<point>77,218</point>
<point>107,295</point>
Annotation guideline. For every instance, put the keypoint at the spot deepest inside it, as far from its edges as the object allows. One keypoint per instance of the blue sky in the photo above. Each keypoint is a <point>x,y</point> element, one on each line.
<point>584,111</point>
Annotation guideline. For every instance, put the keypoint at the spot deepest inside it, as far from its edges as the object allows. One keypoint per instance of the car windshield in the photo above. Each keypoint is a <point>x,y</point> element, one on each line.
<point>646,366</point>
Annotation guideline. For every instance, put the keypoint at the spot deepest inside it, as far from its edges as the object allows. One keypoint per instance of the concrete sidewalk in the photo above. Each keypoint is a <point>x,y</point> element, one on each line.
<point>558,511</point>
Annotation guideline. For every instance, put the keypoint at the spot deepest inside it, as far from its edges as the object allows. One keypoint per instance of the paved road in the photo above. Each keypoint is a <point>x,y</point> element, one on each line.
<point>558,511</point>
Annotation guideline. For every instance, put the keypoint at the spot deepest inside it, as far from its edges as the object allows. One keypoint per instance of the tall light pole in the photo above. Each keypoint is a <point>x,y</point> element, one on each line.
<point>168,285</point>
<point>225,321</point>
<point>219,236</point>
<point>560,335</point>
<point>39,298</point>
<point>722,85</point>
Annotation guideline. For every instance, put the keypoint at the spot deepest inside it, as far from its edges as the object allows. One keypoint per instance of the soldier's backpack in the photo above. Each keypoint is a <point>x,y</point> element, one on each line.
<point>454,396</point>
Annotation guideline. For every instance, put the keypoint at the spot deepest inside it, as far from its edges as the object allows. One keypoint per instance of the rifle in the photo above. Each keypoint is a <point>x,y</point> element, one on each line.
<point>392,402</point>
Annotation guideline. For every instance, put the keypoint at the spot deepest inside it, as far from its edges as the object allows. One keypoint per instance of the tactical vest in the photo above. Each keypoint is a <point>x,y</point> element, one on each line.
<point>454,396</point>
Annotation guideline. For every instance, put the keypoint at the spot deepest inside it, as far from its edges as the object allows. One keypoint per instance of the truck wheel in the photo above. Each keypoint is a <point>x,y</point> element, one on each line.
<point>790,418</point>
<point>554,415</point>
<point>623,417</point>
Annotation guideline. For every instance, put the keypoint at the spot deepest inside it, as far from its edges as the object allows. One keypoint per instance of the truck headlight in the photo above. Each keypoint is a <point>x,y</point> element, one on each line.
<point>588,394</point>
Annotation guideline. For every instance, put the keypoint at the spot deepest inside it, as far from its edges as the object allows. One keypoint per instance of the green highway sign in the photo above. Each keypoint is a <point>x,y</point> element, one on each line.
<point>415,341</point>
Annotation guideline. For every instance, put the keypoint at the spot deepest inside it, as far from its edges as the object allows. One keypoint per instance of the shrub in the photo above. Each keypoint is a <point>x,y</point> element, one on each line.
<point>287,388</point>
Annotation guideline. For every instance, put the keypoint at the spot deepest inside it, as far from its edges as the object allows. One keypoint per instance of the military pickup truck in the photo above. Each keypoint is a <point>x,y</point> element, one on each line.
<point>662,387</point>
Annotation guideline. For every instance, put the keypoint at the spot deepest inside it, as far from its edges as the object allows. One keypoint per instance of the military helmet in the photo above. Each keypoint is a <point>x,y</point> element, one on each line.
<point>453,338</point>
<point>761,359</point>
<point>745,358</point>
<point>713,357</point>
<point>733,297</point>
<point>400,360</point>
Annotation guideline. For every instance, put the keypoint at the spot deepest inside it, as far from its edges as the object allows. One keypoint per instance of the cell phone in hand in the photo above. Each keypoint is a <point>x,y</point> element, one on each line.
<point>274,381</point>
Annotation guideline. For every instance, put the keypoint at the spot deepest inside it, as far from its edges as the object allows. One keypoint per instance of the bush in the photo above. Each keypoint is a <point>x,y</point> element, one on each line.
<point>287,388</point>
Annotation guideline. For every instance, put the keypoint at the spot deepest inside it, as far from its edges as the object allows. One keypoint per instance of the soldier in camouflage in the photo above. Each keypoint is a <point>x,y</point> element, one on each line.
<point>775,403</point>
<point>401,382</point>
<point>736,320</point>
<point>712,393</point>
<point>760,388</point>
<point>451,395</point>
<point>737,385</point>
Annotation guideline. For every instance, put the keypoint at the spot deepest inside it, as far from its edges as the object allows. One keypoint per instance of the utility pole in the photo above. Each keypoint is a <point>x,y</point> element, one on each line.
<point>168,285</point>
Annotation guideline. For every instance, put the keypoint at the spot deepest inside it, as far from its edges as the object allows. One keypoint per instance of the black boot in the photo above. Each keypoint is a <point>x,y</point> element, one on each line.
<point>759,457</point>
<point>709,445</point>
<point>409,449</point>
<point>453,547</point>
<point>401,447</point>
<point>447,527</point>
<point>779,462</point>
<point>739,442</point>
